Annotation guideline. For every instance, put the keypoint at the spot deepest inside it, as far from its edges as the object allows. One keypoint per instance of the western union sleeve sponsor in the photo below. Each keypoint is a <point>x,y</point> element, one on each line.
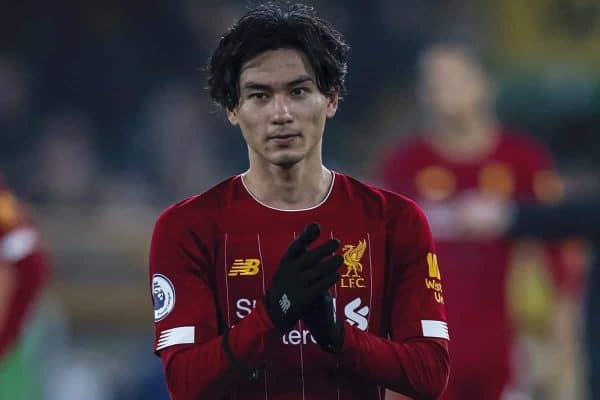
<point>432,262</point>
<point>433,281</point>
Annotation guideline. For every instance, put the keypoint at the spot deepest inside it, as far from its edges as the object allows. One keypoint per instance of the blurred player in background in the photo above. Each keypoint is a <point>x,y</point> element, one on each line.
<point>23,273</point>
<point>569,219</point>
<point>574,218</point>
<point>242,313</point>
<point>461,170</point>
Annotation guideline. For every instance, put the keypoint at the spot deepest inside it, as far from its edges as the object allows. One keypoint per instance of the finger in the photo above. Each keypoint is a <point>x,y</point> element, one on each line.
<point>324,300</point>
<point>320,313</point>
<point>326,267</point>
<point>322,285</point>
<point>315,255</point>
<point>298,246</point>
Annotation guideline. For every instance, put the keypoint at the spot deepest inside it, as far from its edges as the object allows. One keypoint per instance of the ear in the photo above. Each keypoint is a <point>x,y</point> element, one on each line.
<point>232,116</point>
<point>332,103</point>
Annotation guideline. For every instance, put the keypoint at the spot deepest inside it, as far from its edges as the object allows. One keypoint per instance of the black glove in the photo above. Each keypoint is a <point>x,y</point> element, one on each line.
<point>302,277</point>
<point>320,318</point>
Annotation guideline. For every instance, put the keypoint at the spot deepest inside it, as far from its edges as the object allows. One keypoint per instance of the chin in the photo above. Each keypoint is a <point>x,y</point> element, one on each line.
<point>287,160</point>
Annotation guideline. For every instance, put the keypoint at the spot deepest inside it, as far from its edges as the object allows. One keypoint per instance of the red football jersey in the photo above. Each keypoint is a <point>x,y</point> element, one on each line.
<point>476,272</point>
<point>213,256</point>
<point>25,264</point>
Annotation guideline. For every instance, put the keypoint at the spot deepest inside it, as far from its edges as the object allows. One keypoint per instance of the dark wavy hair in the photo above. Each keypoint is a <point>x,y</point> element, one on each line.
<point>272,26</point>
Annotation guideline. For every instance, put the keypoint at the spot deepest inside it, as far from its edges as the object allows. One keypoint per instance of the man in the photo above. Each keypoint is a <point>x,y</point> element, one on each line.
<point>23,273</point>
<point>570,219</point>
<point>242,313</point>
<point>461,170</point>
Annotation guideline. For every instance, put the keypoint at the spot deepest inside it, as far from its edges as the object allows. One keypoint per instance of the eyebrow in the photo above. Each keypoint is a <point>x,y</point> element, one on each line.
<point>262,86</point>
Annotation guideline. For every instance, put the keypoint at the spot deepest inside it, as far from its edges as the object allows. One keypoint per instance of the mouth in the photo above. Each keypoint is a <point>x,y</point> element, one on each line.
<point>282,136</point>
<point>283,139</point>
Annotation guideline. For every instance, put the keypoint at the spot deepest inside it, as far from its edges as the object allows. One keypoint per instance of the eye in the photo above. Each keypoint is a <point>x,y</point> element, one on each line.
<point>258,95</point>
<point>298,91</point>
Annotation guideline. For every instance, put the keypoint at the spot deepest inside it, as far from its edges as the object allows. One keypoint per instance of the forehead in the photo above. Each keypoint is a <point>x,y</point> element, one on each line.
<point>276,67</point>
<point>441,64</point>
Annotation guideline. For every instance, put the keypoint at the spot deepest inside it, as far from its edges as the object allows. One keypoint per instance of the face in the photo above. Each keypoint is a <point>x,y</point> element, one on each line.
<point>281,111</point>
<point>453,87</point>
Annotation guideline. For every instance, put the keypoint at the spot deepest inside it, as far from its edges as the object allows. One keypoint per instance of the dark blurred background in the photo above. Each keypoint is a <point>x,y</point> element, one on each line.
<point>105,120</point>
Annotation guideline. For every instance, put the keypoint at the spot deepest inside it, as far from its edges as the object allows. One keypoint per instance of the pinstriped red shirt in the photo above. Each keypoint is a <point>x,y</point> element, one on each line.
<point>213,256</point>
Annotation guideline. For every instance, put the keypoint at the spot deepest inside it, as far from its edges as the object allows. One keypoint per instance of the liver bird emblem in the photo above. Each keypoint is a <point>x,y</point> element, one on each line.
<point>352,257</point>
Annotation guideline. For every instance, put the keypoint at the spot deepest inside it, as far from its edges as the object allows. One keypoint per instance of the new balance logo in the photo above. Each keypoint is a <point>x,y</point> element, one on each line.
<point>355,314</point>
<point>244,267</point>
<point>284,303</point>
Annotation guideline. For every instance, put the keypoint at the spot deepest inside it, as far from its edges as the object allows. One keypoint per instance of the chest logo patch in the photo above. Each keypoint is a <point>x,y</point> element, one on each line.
<point>244,267</point>
<point>354,268</point>
<point>356,314</point>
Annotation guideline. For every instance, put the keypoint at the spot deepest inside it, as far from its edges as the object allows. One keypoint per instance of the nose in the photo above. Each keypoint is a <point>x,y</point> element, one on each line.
<point>281,110</point>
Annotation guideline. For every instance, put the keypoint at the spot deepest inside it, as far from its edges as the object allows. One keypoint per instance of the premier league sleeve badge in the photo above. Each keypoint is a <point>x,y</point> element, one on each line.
<point>163,296</point>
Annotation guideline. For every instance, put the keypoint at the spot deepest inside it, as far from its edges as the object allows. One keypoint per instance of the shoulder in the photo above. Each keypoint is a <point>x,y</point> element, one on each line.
<point>407,228</point>
<point>525,146</point>
<point>385,203</point>
<point>201,207</point>
<point>401,160</point>
<point>404,149</point>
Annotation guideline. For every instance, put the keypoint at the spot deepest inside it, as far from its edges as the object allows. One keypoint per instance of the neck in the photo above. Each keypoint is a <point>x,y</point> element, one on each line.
<point>467,139</point>
<point>303,185</point>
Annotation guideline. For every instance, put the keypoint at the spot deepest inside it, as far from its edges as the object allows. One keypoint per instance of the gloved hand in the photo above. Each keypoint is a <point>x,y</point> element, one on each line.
<point>303,275</point>
<point>320,318</point>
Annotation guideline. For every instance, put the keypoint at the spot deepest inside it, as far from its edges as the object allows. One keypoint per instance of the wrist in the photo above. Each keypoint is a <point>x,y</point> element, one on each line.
<point>336,342</point>
<point>275,314</point>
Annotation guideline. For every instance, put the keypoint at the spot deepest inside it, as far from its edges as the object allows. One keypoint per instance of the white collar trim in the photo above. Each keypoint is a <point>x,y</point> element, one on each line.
<point>285,210</point>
